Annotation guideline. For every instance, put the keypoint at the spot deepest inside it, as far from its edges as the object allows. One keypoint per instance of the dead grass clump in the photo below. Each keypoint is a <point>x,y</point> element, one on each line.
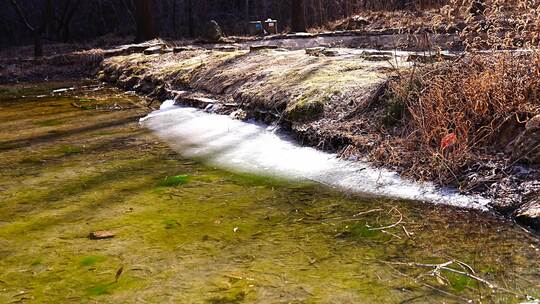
<point>455,113</point>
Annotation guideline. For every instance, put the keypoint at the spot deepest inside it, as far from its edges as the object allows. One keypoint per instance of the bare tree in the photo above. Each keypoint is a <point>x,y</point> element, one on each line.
<point>298,17</point>
<point>37,32</point>
<point>144,16</point>
<point>64,21</point>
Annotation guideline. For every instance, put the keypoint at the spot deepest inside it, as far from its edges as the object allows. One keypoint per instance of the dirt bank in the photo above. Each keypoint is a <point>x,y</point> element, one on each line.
<point>333,99</point>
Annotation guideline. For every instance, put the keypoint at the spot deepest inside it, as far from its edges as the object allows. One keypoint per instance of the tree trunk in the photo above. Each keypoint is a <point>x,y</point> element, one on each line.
<point>191,30</point>
<point>36,32</point>
<point>38,44</point>
<point>174,17</point>
<point>298,19</point>
<point>146,25</point>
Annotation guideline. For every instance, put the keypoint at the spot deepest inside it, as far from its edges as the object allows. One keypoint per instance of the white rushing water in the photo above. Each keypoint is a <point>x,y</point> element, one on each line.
<point>254,148</point>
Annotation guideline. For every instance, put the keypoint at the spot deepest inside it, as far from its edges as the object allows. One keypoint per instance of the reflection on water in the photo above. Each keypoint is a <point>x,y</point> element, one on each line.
<point>249,147</point>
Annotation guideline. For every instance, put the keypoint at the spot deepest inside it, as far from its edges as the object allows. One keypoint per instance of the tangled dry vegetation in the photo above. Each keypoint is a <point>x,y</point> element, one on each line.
<point>496,23</point>
<point>499,24</point>
<point>449,116</point>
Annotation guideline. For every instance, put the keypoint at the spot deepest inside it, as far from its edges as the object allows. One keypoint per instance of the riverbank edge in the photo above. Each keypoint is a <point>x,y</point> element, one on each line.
<point>305,134</point>
<point>90,64</point>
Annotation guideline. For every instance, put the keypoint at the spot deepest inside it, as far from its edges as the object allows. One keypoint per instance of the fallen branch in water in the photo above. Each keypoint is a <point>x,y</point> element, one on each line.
<point>437,268</point>
<point>390,226</point>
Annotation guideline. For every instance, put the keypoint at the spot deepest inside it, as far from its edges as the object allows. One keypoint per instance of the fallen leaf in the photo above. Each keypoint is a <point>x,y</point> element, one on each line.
<point>100,235</point>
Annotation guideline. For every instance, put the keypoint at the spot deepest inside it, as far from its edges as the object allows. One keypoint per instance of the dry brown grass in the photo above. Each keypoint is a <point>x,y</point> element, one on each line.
<point>482,100</point>
<point>500,24</point>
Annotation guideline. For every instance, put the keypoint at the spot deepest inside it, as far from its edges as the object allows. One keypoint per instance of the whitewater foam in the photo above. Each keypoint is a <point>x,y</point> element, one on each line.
<point>255,148</point>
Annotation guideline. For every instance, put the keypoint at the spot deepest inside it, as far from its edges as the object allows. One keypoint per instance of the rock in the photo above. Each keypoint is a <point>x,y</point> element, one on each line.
<point>195,101</point>
<point>316,51</point>
<point>377,56</point>
<point>527,145</point>
<point>213,31</point>
<point>358,22</point>
<point>144,86</point>
<point>301,35</point>
<point>154,50</point>
<point>101,235</point>
<point>262,47</point>
<point>430,58</point>
<point>529,213</point>
<point>238,114</point>
<point>180,49</point>
<point>330,53</point>
<point>225,48</point>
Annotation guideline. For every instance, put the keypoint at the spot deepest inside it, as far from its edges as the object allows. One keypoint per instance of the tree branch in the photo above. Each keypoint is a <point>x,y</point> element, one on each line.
<point>22,16</point>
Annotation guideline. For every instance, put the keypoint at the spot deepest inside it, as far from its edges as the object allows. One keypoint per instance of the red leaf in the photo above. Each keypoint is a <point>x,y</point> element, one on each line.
<point>448,141</point>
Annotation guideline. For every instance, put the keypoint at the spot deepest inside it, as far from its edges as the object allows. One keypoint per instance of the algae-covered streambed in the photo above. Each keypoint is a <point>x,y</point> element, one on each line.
<point>78,161</point>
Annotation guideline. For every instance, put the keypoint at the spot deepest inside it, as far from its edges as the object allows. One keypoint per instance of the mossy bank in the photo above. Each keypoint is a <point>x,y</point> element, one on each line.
<point>339,100</point>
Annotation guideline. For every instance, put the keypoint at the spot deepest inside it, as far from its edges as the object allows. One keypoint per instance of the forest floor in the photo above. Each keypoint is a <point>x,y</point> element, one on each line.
<point>334,97</point>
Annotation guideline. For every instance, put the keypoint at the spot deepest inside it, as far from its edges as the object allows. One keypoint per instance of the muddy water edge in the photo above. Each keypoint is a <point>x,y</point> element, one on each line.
<point>78,161</point>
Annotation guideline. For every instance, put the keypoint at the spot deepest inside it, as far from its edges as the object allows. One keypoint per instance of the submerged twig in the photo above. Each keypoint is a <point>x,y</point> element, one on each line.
<point>437,268</point>
<point>390,226</point>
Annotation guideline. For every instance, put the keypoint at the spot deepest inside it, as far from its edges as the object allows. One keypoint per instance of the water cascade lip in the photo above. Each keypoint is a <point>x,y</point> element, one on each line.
<point>255,148</point>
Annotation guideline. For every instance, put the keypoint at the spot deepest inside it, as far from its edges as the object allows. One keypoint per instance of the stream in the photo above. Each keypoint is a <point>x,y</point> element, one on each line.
<point>206,209</point>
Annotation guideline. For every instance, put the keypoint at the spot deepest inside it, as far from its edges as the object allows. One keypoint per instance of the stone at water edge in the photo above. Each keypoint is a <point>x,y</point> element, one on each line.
<point>527,145</point>
<point>154,50</point>
<point>213,31</point>
<point>529,213</point>
<point>101,235</point>
<point>254,48</point>
<point>315,51</point>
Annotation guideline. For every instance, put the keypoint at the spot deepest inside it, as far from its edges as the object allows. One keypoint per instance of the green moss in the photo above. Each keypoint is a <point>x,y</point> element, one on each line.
<point>173,181</point>
<point>361,230</point>
<point>171,224</point>
<point>459,282</point>
<point>31,161</point>
<point>104,133</point>
<point>71,149</point>
<point>307,108</point>
<point>92,259</point>
<point>101,289</point>
<point>231,298</point>
<point>36,262</point>
<point>49,123</point>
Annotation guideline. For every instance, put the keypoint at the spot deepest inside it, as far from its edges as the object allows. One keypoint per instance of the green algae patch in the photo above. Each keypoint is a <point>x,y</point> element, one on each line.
<point>101,289</point>
<point>460,282</point>
<point>50,123</point>
<point>31,160</point>
<point>171,224</point>
<point>66,149</point>
<point>173,181</point>
<point>91,260</point>
<point>363,231</point>
<point>212,236</point>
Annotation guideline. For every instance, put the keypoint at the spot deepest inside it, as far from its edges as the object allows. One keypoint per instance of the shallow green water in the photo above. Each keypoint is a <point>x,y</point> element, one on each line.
<point>190,233</point>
